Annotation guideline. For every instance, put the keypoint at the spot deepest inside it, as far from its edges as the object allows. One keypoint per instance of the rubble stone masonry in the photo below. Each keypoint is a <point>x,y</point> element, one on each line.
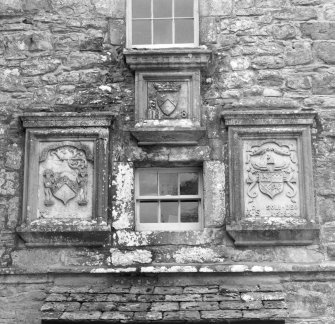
<point>59,56</point>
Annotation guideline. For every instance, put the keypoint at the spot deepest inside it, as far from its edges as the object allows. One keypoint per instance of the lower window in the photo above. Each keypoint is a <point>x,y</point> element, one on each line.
<point>168,199</point>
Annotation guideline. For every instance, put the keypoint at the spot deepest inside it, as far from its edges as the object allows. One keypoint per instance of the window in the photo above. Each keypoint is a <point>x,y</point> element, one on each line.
<point>168,199</point>
<point>162,23</point>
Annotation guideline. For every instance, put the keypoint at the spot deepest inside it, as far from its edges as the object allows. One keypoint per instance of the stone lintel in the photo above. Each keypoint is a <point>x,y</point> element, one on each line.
<point>168,135</point>
<point>180,58</point>
<point>267,117</point>
<point>67,119</point>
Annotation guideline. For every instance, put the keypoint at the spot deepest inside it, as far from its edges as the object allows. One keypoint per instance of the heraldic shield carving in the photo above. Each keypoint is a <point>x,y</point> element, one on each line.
<point>271,179</point>
<point>65,173</point>
<point>163,100</point>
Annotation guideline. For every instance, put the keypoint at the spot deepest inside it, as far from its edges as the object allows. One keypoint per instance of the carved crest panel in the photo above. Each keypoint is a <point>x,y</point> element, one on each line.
<point>271,178</point>
<point>65,187</point>
<point>168,100</point>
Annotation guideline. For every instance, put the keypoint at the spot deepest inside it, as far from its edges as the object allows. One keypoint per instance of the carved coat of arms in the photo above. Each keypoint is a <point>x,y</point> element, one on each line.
<point>165,100</point>
<point>270,168</point>
<point>71,177</point>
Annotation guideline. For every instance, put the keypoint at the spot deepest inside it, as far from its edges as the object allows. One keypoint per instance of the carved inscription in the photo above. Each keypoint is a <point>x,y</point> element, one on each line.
<point>167,100</point>
<point>65,175</point>
<point>271,178</point>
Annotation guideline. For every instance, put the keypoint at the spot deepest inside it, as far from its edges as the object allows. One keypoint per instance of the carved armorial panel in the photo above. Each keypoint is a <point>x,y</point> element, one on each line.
<point>167,95</point>
<point>66,179</point>
<point>270,178</point>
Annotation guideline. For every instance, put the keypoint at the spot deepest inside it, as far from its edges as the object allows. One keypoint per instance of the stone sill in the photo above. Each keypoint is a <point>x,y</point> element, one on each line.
<point>176,58</point>
<point>67,119</point>
<point>273,236</point>
<point>64,236</point>
<point>267,117</point>
<point>228,269</point>
<point>168,135</point>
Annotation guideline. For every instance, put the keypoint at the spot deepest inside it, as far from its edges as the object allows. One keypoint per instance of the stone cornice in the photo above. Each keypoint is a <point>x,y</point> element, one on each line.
<point>67,119</point>
<point>180,58</point>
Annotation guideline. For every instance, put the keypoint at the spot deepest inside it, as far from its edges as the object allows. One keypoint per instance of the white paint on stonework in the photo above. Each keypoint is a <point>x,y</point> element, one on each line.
<point>114,270</point>
<point>153,269</point>
<point>133,238</point>
<point>239,268</point>
<point>123,199</point>
<point>196,254</point>
<point>261,269</point>
<point>126,258</point>
<point>206,269</point>
<point>105,88</point>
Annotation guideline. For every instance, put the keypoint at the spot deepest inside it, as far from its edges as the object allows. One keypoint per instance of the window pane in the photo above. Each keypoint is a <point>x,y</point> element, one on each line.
<point>168,184</point>
<point>162,8</point>
<point>149,212</point>
<point>184,32</point>
<point>141,32</point>
<point>189,212</point>
<point>141,9</point>
<point>163,31</point>
<point>169,212</point>
<point>148,184</point>
<point>189,183</point>
<point>183,8</point>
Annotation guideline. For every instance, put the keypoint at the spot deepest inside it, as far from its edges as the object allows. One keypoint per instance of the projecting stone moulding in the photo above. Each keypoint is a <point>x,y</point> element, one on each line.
<point>167,86</point>
<point>270,178</point>
<point>66,179</point>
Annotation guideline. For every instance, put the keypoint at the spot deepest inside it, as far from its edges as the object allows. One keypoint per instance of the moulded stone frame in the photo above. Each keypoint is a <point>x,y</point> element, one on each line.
<point>142,78</point>
<point>269,125</point>
<point>71,128</point>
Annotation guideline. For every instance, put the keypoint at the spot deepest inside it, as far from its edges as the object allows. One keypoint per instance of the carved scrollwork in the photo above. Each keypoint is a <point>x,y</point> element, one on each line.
<point>270,167</point>
<point>70,183</point>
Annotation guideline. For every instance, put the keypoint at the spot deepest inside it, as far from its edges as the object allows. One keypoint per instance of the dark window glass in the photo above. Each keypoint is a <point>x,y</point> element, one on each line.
<point>189,211</point>
<point>149,212</point>
<point>169,212</point>
<point>141,32</point>
<point>163,31</point>
<point>141,9</point>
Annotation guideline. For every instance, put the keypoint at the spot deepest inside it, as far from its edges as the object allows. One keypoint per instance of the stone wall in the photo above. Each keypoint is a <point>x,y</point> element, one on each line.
<point>67,56</point>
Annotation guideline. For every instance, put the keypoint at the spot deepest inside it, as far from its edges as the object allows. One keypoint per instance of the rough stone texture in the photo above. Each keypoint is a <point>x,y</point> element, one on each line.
<point>67,56</point>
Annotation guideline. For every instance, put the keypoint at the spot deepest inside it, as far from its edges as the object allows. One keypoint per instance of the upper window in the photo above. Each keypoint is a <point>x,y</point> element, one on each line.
<point>162,23</point>
<point>168,199</point>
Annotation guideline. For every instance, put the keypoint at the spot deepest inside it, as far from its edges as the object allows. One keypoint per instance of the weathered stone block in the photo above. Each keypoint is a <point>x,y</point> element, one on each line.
<point>134,307</point>
<point>208,30</point>
<point>123,185</point>
<point>148,316</point>
<point>284,31</point>
<point>168,290</point>
<point>318,30</point>
<point>325,51</point>
<point>116,31</point>
<point>299,53</point>
<point>114,8</point>
<point>98,306</point>
<point>39,66</point>
<point>216,8</point>
<point>205,306</point>
<point>182,315</point>
<point>267,62</point>
<point>183,297</point>
<point>126,258</point>
<point>164,307</point>
<point>8,183</point>
<point>221,314</point>
<point>125,316</point>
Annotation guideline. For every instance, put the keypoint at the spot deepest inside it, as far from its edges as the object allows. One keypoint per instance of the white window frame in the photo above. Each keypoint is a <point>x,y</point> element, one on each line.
<point>169,226</point>
<point>195,30</point>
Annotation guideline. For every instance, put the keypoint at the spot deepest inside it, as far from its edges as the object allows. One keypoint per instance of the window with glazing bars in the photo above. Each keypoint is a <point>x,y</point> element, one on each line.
<point>168,199</point>
<point>162,23</point>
